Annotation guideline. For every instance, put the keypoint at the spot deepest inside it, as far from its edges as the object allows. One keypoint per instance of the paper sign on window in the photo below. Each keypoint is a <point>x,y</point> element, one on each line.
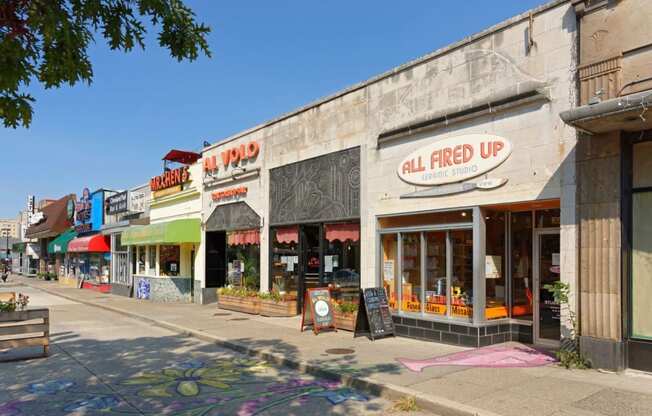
<point>555,259</point>
<point>493,267</point>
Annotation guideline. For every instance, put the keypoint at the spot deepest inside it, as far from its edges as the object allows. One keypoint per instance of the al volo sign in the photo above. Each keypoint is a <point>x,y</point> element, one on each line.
<point>232,156</point>
<point>454,159</point>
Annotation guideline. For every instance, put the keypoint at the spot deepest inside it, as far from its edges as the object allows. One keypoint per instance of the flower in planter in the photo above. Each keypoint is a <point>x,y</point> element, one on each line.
<point>347,307</point>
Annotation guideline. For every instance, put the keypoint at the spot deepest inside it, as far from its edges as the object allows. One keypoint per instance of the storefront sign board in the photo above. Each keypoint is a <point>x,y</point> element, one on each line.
<point>169,179</point>
<point>374,317</point>
<point>454,159</point>
<point>230,193</point>
<point>318,310</point>
<point>232,156</point>
<point>456,188</point>
<point>117,204</point>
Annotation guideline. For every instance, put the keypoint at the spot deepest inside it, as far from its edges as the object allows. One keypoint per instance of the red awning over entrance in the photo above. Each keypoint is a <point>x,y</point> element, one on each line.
<point>92,244</point>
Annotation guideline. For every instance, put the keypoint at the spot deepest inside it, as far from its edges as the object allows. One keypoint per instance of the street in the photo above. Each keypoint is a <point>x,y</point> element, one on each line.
<point>102,362</point>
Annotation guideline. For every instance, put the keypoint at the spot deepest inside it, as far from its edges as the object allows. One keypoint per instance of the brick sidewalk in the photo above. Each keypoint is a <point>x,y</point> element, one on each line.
<point>545,390</point>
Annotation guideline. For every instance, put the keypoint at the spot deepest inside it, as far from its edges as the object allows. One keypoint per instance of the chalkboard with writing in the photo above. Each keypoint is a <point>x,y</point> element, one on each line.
<point>374,317</point>
<point>318,310</point>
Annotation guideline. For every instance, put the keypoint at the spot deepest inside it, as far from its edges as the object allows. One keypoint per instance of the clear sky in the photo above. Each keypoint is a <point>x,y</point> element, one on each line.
<point>269,57</point>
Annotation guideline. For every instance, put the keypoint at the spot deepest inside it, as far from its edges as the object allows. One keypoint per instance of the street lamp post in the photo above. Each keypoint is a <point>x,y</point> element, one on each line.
<point>6,233</point>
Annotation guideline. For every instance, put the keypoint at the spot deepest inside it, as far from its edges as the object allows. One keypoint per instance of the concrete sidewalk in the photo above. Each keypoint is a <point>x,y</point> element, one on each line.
<point>446,390</point>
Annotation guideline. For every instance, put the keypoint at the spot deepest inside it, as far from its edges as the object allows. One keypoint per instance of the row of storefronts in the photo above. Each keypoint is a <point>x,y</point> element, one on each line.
<point>451,181</point>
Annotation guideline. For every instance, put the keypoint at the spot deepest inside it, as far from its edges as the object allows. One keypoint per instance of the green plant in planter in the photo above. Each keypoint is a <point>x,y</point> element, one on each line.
<point>276,297</point>
<point>7,306</point>
<point>250,271</point>
<point>237,292</point>
<point>347,307</point>
<point>569,354</point>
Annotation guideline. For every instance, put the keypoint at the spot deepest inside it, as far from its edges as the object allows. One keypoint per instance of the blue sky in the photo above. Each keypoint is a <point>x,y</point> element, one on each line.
<point>269,57</point>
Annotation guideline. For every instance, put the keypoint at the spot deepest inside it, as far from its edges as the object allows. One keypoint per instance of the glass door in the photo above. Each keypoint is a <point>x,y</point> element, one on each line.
<point>547,272</point>
<point>310,258</point>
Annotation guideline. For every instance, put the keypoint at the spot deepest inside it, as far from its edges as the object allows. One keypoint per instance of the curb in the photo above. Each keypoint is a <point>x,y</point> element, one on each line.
<point>438,405</point>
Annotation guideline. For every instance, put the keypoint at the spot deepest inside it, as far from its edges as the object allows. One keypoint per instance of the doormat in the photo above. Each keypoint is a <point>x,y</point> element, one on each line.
<point>488,357</point>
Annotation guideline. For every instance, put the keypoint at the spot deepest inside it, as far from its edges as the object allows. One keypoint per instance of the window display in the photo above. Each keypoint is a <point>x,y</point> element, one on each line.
<point>521,247</point>
<point>342,261</point>
<point>141,260</point>
<point>436,273</point>
<point>496,304</point>
<point>411,272</point>
<point>389,269</point>
<point>285,260</point>
<point>152,260</point>
<point>170,260</point>
<point>462,279</point>
<point>243,259</point>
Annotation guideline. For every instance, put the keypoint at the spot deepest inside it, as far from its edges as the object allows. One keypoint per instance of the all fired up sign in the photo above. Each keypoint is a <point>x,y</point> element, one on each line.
<point>454,159</point>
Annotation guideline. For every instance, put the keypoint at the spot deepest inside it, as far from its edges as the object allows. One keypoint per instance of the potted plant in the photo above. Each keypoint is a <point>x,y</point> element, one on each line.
<point>238,299</point>
<point>345,314</point>
<point>274,304</point>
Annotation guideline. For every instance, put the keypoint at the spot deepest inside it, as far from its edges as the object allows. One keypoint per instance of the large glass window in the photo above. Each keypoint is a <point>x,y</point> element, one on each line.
<point>152,260</point>
<point>436,273</point>
<point>285,260</point>
<point>342,260</point>
<point>411,272</point>
<point>496,305</point>
<point>243,258</point>
<point>462,280</point>
<point>170,260</point>
<point>389,270</point>
<point>141,260</point>
<point>521,247</point>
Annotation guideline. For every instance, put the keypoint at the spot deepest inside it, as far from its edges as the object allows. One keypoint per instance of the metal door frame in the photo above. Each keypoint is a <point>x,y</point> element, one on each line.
<point>536,252</point>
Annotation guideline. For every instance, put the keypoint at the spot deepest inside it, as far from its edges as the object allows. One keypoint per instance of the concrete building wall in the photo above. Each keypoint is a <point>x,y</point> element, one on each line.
<point>500,62</point>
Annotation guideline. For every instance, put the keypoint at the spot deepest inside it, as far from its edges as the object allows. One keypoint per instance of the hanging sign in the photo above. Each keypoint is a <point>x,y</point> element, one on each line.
<point>374,317</point>
<point>318,308</point>
<point>454,159</point>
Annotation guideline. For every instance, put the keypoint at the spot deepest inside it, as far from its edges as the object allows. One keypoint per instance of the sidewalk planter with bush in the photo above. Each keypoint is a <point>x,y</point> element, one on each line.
<point>239,300</point>
<point>345,314</point>
<point>276,305</point>
<point>46,276</point>
<point>23,328</point>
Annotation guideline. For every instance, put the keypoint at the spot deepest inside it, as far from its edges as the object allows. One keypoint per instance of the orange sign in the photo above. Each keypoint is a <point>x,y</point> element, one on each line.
<point>232,156</point>
<point>169,179</point>
<point>229,193</point>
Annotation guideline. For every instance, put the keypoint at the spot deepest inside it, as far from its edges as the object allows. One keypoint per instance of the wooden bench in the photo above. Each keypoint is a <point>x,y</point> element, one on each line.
<point>22,329</point>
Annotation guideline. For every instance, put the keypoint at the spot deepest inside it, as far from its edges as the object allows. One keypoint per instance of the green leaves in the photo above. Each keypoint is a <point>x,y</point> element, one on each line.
<point>47,41</point>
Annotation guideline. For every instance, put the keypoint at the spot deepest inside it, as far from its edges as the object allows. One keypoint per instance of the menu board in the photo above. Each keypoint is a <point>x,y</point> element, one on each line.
<point>374,318</point>
<point>318,310</point>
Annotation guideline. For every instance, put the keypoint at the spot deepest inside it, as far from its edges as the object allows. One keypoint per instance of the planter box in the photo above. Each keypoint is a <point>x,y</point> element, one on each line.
<point>345,321</point>
<point>284,308</point>
<point>239,304</point>
<point>22,329</point>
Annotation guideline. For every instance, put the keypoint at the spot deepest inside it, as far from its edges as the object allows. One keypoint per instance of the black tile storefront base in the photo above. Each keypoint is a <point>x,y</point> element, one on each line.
<point>467,336</point>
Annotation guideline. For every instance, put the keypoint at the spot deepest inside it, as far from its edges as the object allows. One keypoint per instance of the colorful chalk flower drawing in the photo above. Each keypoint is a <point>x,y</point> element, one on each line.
<point>93,403</point>
<point>188,379</point>
<point>51,387</point>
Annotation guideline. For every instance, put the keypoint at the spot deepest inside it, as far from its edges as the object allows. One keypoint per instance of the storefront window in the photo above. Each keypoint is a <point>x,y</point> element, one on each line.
<point>285,260</point>
<point>411,272</point>
<point>389,270</point>
<point>462,280</point>
<point>496,305</point>
<point>342,260</point>
<point>243,259</point>
<point>436,285</point>
<point>141,260</point>
<point>134,260</point>
<point>521,247</point>
<point>152,260</point>
<point>170,260</point>
<point>429,219</point>
<point>548,218</point>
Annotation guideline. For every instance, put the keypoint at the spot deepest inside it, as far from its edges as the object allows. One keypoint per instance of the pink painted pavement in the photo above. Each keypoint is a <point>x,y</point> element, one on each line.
<point>502,356</point>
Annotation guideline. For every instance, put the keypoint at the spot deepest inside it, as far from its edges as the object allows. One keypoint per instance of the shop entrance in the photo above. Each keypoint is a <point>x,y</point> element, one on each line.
<point>547,319</point>
<point>215,259</point>
<point>311,270</point>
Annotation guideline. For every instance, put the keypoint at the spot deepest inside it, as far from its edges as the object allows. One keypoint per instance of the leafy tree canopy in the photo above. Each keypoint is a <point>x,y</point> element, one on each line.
<point>47,41</point>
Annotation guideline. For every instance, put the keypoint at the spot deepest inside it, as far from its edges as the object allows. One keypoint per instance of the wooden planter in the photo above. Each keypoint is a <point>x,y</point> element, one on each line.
<point>29,328</point>
<point>283,308</point>
<point>239,304</point>
<point>345,321</point>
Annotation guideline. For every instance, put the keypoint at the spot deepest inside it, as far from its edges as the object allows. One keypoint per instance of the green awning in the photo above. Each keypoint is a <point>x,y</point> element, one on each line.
<point>171,232</point>
<point>60,244</point>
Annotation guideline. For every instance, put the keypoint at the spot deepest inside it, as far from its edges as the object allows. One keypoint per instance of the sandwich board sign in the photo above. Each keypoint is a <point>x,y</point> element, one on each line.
<point>374,317</point>
<point>318,310</point>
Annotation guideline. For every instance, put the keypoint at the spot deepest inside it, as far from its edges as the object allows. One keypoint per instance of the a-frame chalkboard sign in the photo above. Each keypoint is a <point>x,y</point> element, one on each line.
<point>318,310</point>
<point>374,318</point>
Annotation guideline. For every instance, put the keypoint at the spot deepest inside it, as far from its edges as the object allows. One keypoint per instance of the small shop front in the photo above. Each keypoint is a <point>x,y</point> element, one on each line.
<point>163,257</point>
<point>315,240</point>
<point>89,260</point>
<point>58,249</point>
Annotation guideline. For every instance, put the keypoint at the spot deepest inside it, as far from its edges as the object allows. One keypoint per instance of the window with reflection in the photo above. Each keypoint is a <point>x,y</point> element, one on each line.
<point>342,261</point>
<point>436,271</point>
<point>496,304</point>
<point>152,260</point>
<point>285,260</point>
<point>389,268</point>
<point>170,260</point>
<point>521,247</point>
<point>243,258</point>
<point>411,272</point>
<point>462,279</point>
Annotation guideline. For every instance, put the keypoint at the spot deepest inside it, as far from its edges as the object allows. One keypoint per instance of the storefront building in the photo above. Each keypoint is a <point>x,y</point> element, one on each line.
<point>89,253</point>
<point>615,182</point>
<point>45,226</point>
<point>58,248</point>
<point>166,255</point>
<point>124,209</point>
<point>450,181</point>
